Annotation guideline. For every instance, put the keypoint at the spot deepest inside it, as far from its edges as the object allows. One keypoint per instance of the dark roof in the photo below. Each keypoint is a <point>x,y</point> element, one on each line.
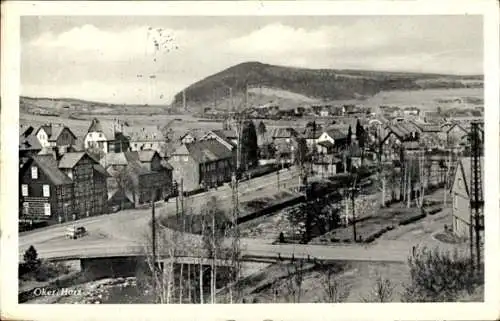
<point>336,134</point>
<point>326,143</point>
<point>69,160</point>
<point>48,164</point>
<point>208,150</point>
<point>46,128</point>
<point>101,170</point>
<point>29,143</point>
<point>222,135</point>
<point>57,130</point>
<point>310,134</point>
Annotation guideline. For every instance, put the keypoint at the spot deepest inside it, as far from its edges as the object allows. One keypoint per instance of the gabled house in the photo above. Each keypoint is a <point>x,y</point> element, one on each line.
<point>202,164</point>
<point>89,183</point>
<point>191,136</point>
<point>282,134</point>
<point>46,193</point>
<point>136,178</point>
<point>461,193</point>
<point>225,137</point>
<point>55,135</point>
<point>59,190</point>
<point>337,138</point>
<point>146,138</point>
<point>453,134</point>
<point>108,139</point>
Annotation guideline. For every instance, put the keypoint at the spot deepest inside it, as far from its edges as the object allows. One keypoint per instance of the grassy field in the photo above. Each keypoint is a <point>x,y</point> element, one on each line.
<point>427,99</point>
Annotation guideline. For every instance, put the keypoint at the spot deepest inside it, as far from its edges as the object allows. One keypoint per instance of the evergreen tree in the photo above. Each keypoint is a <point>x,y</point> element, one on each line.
<point>349,135</point>
<point>249,147</point>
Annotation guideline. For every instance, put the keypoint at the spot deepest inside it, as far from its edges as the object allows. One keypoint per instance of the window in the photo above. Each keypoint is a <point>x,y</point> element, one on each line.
<point>46,209</point>
<point>34,172</point>
<point>455,202</point>
<point>186,158</point>
<point>46,190</point>
<point>24,189</point>
<point>100,135</point>
<point>26,208</point>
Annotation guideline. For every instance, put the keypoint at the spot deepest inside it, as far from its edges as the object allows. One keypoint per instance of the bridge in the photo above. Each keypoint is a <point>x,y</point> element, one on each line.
<point>252,250</point>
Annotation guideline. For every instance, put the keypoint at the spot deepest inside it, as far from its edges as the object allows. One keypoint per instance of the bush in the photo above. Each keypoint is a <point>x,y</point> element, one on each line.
<point>282,238</point>
<point>437,276</point>
<point>411,219</point>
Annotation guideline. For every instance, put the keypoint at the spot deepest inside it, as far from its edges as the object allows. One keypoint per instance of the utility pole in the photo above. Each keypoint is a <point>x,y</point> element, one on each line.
<point>476,199</point>
<point>353,190</point>
<point>236,237</point>
<point>153,242</point>
<point>182,233</point>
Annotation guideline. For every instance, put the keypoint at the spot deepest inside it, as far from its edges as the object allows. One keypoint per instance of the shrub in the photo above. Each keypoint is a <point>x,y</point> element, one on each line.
<point>282,238</point>
<point>437,276</point>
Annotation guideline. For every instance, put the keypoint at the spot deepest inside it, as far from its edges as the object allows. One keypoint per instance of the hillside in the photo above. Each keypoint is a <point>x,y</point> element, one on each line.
<point>313,84</point>
<point>70,106</point>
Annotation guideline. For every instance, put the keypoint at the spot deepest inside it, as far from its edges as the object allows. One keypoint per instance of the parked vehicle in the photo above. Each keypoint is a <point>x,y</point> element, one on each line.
<point>75,232</point>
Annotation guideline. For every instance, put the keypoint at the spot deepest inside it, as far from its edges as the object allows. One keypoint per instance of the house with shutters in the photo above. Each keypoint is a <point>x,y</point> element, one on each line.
<point>55,135</point>
<point>461,193</point>
<point>146,138</point>
<point>62,189</point>
<point>106,138</point>
<point>202,164</point>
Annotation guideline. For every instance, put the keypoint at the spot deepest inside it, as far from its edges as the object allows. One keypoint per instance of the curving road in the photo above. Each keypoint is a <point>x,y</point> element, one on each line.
<point>124,224</point>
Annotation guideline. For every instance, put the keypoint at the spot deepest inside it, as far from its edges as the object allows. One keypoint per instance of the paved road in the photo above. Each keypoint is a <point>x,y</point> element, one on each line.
<point>141,216</point>
<point>251,248</point>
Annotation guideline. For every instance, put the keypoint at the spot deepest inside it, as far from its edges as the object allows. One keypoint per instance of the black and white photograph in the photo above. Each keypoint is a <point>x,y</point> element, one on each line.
<point>251,158</point>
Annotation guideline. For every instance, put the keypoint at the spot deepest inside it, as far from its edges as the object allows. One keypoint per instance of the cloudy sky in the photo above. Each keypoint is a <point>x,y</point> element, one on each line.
<point>112,58</point>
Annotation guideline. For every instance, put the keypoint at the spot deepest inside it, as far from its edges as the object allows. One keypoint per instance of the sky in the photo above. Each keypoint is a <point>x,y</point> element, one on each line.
<point>112,58</point>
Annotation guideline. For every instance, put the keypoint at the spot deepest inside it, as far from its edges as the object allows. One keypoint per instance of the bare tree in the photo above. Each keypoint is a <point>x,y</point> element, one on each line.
<point>162,275</point>
<point>335,290</point>
<point>294,280</point>
<point>382,290</point>
<point>214,222</point>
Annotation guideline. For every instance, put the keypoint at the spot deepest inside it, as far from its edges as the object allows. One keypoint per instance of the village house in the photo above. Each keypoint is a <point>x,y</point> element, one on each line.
<point>202,164</point>
<point>191,136</point>
<point>146,138</point>
<point>453,134</point>
<point>327,165</point>
<point>461,192</point>
<point>311,136</point>
<point>65,189</point>
<point>411,111</point>
<point>55,135</point>
<point>225,137</point>
<point>282,134</point>
<point>337,138</point>
<point>136,178</point>
<point>106,139</point>
<point>89,183</point>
